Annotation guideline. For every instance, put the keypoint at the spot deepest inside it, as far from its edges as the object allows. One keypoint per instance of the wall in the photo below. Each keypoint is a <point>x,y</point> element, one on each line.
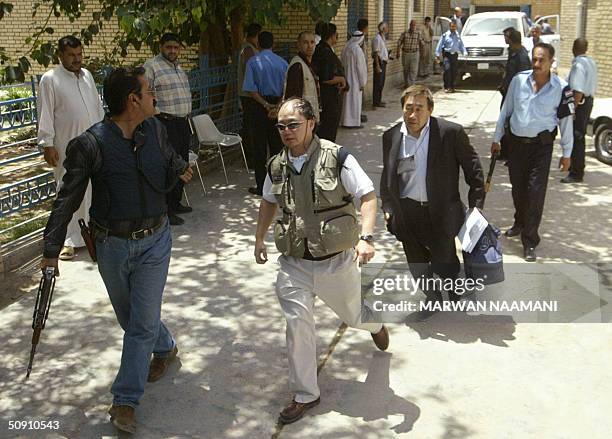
<point>597,24</point>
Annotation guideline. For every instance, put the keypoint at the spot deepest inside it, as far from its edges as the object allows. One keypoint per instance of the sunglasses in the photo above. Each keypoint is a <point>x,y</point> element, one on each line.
<point>291,125</point>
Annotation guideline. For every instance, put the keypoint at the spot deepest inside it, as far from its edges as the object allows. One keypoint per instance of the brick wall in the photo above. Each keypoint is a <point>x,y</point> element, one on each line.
<point>545,7</point>
<point>600,49</point>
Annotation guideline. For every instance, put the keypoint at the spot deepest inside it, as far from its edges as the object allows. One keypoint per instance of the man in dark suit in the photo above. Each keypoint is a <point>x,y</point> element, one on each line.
<point>419,186</point>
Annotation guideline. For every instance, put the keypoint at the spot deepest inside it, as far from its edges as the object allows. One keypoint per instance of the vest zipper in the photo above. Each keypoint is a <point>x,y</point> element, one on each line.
<point>289,188</point>
<point>312,184</point>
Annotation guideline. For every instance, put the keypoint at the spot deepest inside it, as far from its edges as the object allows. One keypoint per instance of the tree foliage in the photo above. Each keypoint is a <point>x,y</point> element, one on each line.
<point>215,25</point>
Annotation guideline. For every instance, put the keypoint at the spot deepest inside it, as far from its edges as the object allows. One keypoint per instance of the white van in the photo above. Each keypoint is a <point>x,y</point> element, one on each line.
<point>484,41</point>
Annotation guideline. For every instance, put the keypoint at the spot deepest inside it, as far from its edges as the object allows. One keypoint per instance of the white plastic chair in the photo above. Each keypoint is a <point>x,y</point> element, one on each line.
<point>208,134</point>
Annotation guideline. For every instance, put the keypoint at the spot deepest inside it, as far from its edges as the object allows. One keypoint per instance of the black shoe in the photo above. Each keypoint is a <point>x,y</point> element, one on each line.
<point>364,118</point>
<point>529,254</point>
<point>380,104</point>
<point>183,209</point>
<point>571,179</point>
<point>175,220</point>
<point>513,231</point>
<point>253,190</point>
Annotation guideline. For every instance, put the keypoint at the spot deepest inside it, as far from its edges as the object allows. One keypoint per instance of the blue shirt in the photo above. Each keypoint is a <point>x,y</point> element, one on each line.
<point>450,42</point>
<point>413,183</point>
<point>531,113</point>
<point>265,74</point>
<point>583,76</point>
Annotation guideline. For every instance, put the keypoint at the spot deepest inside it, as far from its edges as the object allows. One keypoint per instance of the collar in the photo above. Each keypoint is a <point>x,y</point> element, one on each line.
<point>68,72</point>
<point>303,57</point>
<point>164,59</point>
<point>424,131</point>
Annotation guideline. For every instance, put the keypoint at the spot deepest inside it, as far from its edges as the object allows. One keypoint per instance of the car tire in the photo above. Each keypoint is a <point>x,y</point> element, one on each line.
<point>603,143</point>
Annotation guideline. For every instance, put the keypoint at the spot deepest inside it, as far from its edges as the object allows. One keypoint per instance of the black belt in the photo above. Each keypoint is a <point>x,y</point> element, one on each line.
<point>415,202</point>
<point>410,51</point>
<point>126,230</point>
<point>167,116</point>
<point>309,257</point>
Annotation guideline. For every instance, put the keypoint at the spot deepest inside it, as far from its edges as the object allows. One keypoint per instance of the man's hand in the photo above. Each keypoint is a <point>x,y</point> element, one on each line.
<point>50,262</point>
<point>437,60</point>
<point>495,148</point>
<point>564,163</point>
<point>261,254</point>
<point>187,175</point>
<point>273,112</point>
<point>364,252</point>
<point>51,155</point>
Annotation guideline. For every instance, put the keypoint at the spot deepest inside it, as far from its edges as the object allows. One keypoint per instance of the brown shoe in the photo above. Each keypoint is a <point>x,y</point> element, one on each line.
<point>159,366</point>
<point>122,417</point>
<point>381,338</point>
<point>296,410</point>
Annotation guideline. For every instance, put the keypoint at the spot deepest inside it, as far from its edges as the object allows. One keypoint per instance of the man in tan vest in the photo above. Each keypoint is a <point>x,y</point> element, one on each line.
<point>301,80</point>
<point>315,181</point>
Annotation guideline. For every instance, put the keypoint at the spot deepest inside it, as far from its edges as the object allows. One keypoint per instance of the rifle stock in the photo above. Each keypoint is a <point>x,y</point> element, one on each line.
<point>41,310</point>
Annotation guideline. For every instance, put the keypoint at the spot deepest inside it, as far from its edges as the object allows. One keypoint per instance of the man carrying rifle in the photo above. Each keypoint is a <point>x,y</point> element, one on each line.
<point>132,167</point>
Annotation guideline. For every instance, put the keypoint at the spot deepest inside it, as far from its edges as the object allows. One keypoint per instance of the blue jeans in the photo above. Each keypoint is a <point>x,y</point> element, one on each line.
<point>134,272</point>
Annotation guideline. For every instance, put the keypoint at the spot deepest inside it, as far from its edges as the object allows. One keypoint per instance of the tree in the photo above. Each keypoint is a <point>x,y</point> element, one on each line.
<point>215,25</point>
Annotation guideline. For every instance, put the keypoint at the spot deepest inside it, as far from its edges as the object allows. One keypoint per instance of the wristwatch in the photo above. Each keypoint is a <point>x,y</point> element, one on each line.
<point>367,238</point>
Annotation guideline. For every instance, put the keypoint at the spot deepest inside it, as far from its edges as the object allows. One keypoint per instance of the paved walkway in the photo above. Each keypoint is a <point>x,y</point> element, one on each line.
<point>470,376</point>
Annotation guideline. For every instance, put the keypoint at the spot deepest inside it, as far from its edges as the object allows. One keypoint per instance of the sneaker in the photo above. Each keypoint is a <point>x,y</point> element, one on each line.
<point>571,179</point>
<point>296,410</point>
<point>159,366</point>
<point>122,417</point>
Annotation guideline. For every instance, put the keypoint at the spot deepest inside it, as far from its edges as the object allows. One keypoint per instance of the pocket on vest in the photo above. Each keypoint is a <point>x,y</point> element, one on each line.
<point>339,233</point>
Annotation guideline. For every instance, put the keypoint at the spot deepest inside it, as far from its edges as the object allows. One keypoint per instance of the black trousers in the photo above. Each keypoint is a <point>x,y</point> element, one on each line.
<point>427,249</point>
<point>247,135</point>
<point>529,166</point>
<point>266,140</point>
<point>179,136</point>
<point>331,110</point>
<point>379,83</point>
<point>583,113</point>
<point>451,63</point>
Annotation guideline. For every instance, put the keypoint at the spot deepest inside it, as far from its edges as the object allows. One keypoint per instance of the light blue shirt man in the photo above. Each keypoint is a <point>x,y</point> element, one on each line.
<point>265,74</point>
<point>450,42</point>
<point>532,112</point>
<point>583,75</point>
<point>412,167</point>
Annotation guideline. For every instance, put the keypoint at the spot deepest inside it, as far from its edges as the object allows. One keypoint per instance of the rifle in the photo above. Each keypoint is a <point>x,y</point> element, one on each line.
<point>487,186</point>
<point>41,310</point>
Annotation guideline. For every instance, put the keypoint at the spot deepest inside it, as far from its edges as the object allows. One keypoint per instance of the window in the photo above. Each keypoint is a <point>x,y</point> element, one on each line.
<point>416,6</point>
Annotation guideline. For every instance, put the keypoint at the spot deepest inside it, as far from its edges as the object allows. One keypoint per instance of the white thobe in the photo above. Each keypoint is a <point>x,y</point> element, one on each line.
<point>356,69</point>
<point>67,105</point>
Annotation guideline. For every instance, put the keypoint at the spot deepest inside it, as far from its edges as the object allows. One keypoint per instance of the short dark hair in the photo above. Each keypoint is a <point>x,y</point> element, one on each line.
<point>514,36</point>
<point>427,18</point>
<point>119,84</point>
<point>418,90</point>
<point>253,29</point>
<point>546,46</point>
<point>329,30</point>
<point>266,40</point>
<point>167,37</point>
<point>362,23</point>
<point>68,41</point>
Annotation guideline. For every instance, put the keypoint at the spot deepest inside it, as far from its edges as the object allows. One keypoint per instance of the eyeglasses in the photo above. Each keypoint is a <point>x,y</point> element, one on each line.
<point>291,125</point>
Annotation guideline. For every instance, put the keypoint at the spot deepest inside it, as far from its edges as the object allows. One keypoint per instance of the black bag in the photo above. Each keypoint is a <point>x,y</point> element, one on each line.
<point>486,259</point>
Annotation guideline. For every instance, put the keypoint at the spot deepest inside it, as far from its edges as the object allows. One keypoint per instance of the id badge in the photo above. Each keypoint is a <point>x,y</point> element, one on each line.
<point>406,165</point>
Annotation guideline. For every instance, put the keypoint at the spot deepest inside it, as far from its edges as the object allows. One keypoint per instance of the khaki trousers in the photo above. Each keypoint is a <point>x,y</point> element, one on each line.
<point>337,282</point>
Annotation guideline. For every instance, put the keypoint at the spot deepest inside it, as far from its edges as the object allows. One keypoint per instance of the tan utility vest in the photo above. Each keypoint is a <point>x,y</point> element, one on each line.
<point>310,85</point>
<point>316,209</point>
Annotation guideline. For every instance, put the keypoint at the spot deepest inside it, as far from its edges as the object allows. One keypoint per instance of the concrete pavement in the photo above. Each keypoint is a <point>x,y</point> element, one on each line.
<point>469,376</point>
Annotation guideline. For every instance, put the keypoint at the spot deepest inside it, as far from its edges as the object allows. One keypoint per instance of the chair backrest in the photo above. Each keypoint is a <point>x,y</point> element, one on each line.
<point>205,129</point>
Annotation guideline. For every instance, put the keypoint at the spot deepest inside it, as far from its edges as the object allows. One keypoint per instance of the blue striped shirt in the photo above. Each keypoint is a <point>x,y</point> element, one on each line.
<point>532,112</point>
<point>171,86</point>
<point>265,74</point>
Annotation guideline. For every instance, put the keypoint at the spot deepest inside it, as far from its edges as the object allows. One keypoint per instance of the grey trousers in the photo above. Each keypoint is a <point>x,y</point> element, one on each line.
<point>337,282</point>
<point>410,62</point>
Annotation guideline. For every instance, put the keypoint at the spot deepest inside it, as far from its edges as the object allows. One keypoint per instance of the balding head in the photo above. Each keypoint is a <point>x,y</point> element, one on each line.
<point>580,46</point>
<point>458,11</point>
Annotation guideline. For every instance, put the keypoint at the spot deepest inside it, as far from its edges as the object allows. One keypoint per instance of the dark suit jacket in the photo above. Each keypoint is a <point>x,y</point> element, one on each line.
<point>449,149</point>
